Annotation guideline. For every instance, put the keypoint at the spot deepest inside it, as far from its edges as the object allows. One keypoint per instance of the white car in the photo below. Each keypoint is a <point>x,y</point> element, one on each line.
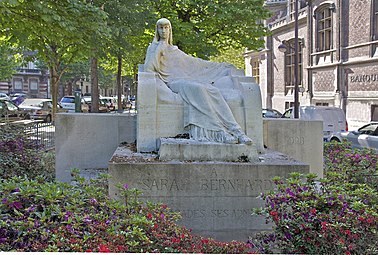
<point>68,103</point>
<point>4,96</point>
<point>111,103</point>
<point>38,108</point>
<point>365,136</point>
<point>333,118</point>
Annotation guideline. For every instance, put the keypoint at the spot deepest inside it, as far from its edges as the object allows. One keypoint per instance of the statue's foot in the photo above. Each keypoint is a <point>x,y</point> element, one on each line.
<point>243,139</point>
<point>230,139</point>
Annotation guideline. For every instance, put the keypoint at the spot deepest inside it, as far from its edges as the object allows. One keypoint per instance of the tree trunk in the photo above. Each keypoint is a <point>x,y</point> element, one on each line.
<point>119,85</point>
<point>94,84</point>
<point>54,82</point>
<point>69,89</point>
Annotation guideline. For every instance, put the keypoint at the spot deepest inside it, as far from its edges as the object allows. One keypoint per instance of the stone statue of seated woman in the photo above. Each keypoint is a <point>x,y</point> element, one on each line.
<point>207,116</point>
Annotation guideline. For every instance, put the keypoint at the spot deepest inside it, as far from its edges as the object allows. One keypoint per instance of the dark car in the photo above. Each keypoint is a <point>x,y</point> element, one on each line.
<point>11,112</point>
<point>271,113</point>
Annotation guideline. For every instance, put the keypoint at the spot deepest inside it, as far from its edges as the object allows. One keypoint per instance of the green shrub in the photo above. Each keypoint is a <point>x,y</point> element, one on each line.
<point>21,156</point>
<point>345,164</point>
<point>38,216</point>
<point>337,214</point>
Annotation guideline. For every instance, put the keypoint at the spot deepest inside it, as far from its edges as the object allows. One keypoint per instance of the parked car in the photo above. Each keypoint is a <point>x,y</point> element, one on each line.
<point>4,96</point>
<point>102,107</point>
<point>365,136</point>
<point>38,108</point>
<point>10,112</point>
<point>18,98</point>
<point>68,103</point>
<point>271,113</point>
<point>333,118</point>
<point>111,103</point>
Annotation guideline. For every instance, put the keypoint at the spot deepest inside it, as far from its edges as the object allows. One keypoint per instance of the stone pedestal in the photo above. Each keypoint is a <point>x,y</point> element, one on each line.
<point>215,198</point>
<point>187,149</point>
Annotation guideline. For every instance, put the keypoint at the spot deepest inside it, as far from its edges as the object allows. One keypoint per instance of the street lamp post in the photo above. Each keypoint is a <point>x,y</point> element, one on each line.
<point>296,66</point>
<point>283,48</point>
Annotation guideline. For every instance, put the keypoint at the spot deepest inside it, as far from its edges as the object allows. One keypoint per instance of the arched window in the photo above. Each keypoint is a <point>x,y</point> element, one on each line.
<point>290,66</point>
<point>323,17</point>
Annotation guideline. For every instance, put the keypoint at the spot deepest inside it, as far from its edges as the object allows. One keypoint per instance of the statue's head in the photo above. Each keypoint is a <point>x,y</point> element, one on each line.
<point>163,30</point>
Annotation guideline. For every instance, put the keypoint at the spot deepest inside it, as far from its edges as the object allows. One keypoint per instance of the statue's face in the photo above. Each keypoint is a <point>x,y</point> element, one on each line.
<point>163,30</point>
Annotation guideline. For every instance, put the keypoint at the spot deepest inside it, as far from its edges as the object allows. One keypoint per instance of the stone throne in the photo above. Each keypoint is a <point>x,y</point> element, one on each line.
<point>161,111</point>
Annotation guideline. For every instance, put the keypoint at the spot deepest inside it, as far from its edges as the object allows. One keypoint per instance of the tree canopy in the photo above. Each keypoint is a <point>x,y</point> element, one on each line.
<point>118,31</point>
<point>59,31</point>
<point>9,60</point>
<point>205,28</point>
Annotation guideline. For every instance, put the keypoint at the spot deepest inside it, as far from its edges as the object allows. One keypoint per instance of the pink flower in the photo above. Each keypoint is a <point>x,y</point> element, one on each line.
<point>104,249</point>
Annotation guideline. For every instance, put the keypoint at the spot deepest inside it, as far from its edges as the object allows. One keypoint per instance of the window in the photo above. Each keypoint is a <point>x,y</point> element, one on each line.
<point>33,84</point>
<point>18,84</point>
<point>324,29</point>
<point>301,4</point>
<point>290,66</point>
<point>374,113</point>
<point>256,70</point>
<point>374,29</point>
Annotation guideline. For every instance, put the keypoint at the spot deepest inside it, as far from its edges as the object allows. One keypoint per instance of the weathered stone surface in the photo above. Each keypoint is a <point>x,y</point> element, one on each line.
<point>301,139</point>
<point>88,141</point>
<point>215,198</point>
<point>188,149</point>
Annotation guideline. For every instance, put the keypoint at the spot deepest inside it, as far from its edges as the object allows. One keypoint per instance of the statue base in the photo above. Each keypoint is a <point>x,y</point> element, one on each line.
<point>214,198</point>
<point>188,149</point>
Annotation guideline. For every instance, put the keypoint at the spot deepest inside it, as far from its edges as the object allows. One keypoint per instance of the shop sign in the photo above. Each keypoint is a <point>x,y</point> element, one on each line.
<point>364,78</point>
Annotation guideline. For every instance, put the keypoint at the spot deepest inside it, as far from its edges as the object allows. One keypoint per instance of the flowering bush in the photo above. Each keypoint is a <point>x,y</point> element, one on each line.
<point>21,156</point>
<point>343,163</point>
<point>337,214</point>
<point>40,216</point>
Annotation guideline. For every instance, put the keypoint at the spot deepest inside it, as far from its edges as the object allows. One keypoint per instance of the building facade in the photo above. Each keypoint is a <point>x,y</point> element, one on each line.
<point>337,57</point>
<point>35,83</point>
<point>30,80</point>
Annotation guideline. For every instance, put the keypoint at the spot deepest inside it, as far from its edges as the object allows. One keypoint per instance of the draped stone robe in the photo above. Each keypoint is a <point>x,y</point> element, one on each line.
<point>207,117</point>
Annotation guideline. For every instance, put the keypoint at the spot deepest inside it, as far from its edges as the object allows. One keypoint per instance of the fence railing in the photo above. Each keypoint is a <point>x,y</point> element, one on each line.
<point>41,133</point>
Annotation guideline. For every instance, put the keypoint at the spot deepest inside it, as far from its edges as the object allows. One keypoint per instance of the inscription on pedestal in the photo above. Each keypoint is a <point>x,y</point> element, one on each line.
<point>214,199</point>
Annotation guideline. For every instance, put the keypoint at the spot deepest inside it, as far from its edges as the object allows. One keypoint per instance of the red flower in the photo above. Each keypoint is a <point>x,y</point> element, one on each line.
<point>175,240</point>
<point>324,225</point>
<point>104,249</point>
<point>369,220</point>
<point>149,216</point>
<point>205,241</point>
<point>313,211</point>
<point>273,213</point>
<point>89,250</point>
<point>121,248</point>
<point>347,232</point>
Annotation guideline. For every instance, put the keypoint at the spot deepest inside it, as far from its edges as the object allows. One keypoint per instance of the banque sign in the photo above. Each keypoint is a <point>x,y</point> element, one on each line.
<point>364,78</point>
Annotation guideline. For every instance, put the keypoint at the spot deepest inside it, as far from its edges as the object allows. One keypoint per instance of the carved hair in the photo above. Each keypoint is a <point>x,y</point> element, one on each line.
<point>163,21</point>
